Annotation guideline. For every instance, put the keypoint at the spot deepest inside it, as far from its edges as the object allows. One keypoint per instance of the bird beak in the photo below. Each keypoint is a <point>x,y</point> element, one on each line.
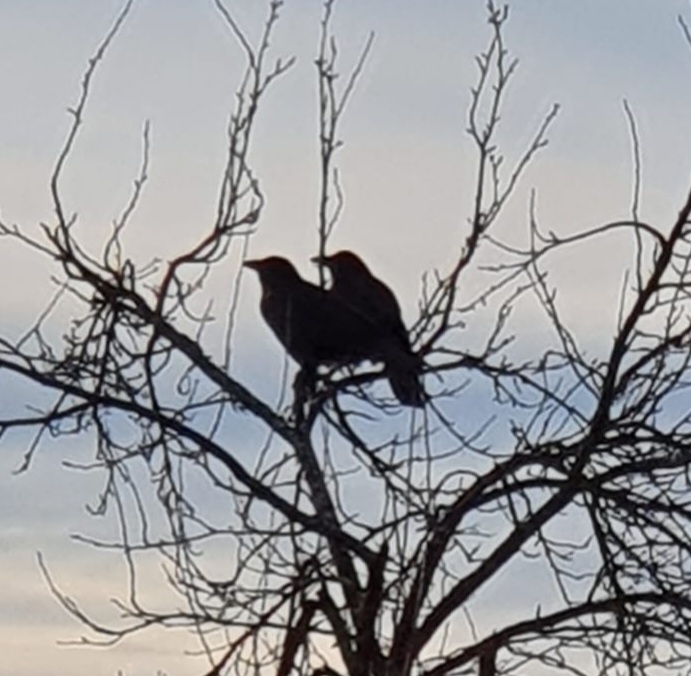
<point>252,264</point>
<point>320,260</point>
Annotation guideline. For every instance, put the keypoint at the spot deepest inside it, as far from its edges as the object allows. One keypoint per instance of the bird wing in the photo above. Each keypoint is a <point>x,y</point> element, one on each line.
<point>316,328</point>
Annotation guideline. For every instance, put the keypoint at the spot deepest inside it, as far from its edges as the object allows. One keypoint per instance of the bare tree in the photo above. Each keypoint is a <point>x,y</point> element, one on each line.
<point>578,469</point>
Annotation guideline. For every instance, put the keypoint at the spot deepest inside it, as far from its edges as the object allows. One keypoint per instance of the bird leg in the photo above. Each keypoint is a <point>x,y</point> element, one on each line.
<point>303,388</point>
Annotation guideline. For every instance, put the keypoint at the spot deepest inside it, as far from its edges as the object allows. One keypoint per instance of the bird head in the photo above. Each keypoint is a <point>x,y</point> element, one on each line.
<point>273,269</point>
<point>342,263</point>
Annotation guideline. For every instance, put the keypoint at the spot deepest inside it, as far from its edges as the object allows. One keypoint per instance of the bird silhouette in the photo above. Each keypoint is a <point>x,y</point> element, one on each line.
<point>314,327</point>
<point>353,285</point>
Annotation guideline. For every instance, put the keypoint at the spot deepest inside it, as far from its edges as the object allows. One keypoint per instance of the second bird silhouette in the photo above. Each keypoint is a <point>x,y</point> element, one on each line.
<point>353,285</point>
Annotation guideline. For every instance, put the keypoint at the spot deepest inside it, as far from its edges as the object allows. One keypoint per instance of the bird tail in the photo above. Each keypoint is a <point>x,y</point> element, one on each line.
<point>404,372</point>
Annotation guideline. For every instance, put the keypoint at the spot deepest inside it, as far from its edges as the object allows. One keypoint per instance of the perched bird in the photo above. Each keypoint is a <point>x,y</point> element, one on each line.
<point>314,327</point>
<point>356,287</point>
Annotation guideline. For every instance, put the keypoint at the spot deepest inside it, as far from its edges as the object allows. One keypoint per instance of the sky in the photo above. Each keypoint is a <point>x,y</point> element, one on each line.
<point>407,170</point>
